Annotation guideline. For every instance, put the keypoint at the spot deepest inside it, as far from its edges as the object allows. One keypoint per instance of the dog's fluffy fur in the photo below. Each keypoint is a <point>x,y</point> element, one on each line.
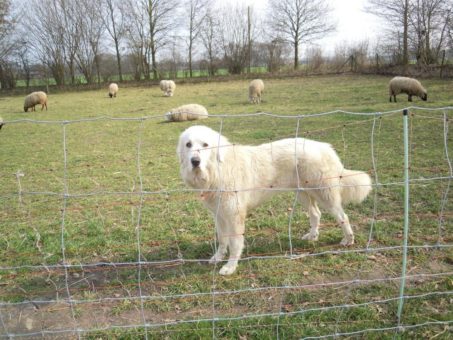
<point>233,179</point>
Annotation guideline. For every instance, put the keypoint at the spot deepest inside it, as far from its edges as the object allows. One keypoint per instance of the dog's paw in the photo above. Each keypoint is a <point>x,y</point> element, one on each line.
<point>311,236</point>
<point>347,241</point>
<point>215,259</point>
<point>227,269</point>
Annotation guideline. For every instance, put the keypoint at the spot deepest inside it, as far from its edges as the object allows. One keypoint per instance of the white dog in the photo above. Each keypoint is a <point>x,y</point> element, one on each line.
<point>233,179</point>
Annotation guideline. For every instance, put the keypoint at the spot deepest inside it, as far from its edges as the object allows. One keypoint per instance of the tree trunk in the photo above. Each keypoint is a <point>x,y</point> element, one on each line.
<point>190,60</point>
<point>405,36</point>
<point>249,41</point>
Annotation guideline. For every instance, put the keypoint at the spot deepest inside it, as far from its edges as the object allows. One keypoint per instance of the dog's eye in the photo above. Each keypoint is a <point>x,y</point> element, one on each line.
<point>205,145</point>
<point>189,144</point>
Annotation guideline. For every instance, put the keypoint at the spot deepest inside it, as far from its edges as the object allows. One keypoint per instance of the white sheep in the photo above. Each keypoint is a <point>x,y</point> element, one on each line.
<point>187,112</point>
<point>256,88</point>
<point>410,86</point>
<point>1,123</point>
<point>168,87</point>
<point>113,90</point>
<point>34,99</point>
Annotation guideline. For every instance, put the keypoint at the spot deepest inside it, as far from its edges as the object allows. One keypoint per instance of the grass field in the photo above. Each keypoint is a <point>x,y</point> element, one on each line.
<point>91,185</point>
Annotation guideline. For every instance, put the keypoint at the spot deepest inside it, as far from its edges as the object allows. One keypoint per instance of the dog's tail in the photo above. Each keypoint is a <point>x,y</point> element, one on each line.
<point>355,186</point>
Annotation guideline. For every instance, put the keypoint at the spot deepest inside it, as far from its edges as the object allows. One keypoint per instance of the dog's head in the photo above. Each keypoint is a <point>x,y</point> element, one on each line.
<point>199,150</point>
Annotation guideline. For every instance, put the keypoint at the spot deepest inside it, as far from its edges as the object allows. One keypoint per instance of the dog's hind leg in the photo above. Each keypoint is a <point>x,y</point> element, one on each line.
<point>314,214</point>
<point>331,201</point>
<point>343,221</point>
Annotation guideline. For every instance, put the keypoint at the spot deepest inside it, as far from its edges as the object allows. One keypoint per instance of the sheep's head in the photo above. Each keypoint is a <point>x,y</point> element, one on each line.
<point>25,109</point>
<point>425,96</point>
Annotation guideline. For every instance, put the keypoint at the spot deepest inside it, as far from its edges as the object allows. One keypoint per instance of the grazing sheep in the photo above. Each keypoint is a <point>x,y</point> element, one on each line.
<point>1,122</point>
<point>410,86</point>
<point>35,98</point>
<point>168,87</point>
<point>187,112</point>
<point>256,88</point>
<point>113,90</point>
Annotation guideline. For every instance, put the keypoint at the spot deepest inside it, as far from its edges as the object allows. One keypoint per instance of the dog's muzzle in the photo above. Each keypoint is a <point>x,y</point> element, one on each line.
<point>195,161</point>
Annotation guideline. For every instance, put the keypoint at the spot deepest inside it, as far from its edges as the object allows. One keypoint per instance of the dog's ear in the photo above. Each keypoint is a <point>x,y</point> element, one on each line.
<point>221,149</point>
<point>179,150</point>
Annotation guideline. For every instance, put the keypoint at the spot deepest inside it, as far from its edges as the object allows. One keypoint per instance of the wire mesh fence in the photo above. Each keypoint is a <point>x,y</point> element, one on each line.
<point>101,236</point>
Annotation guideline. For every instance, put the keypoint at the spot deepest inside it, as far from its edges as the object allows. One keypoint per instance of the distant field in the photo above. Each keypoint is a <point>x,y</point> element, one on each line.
<point>119,195</point>
<point>129,77</point>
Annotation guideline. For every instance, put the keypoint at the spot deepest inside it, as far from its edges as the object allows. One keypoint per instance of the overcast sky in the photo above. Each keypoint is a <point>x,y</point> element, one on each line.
<point>353,24</point>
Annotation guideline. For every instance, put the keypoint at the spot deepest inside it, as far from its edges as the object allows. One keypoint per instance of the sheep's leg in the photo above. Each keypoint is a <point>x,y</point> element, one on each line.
<point>235,243</point>
<point>409,98</point>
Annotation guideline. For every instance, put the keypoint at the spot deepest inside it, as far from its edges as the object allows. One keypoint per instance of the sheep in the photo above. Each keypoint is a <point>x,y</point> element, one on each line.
<point>187,112</point>
<point>256,88</point>
<point>1,123</point>
<point>410,86</point>
<point>168,87</point>
<point>35,98</point>
<point>113,90</point>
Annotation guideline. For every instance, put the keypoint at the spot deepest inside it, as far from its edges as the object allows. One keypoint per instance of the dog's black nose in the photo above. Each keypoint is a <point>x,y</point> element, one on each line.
<point>195,162</point>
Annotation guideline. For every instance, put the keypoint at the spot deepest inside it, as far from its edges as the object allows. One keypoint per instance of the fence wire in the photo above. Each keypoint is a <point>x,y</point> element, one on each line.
<point>137,292</point>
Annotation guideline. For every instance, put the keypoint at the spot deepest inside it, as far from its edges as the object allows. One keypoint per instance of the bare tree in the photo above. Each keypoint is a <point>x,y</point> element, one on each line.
<point>300,21</point>
<point>396,13</point>
<point>428,28</point>
<point>89,29</point>
<point>234,36</point>
<point>67,13</point>
<point>150,26</point>
<point>209,38</point>
<point>137,39</point>
<point>6,29</point>
<point>197,11</point>
<point>115,24</point>
<point>46,35</point>
<point>7,45</point>
<point>161,21</point>
<point>275,54</point>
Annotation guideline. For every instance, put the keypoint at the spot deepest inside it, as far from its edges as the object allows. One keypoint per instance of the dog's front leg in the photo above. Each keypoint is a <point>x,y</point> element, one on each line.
<point>223,242</point>
<point>235,243</point>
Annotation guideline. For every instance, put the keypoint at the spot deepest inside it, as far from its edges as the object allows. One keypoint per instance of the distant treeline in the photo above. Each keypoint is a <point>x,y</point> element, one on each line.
<point>91,42</point>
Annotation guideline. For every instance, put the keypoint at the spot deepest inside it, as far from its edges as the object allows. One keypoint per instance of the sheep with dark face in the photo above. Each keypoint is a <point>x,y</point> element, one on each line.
<point>1,123</point>
<point>34,99</point>
<point>409,86</point>
<point>113,90</point>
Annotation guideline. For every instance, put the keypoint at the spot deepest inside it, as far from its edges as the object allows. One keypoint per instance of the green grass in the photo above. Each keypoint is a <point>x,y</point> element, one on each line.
<point>102,216</point>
